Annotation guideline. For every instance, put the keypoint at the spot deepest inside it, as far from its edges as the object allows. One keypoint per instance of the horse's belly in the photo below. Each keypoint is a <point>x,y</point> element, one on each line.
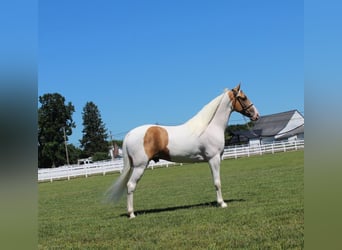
<point>187,159</point>
<point>184,147</point>
<point>186,155</point>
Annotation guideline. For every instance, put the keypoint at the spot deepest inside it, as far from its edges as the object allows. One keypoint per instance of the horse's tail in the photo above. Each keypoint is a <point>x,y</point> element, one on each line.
<point>115,192</point>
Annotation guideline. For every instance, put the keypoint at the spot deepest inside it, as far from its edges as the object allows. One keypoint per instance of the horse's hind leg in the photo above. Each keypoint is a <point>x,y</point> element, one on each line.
<point>131,186</point>
<point>214,164</point>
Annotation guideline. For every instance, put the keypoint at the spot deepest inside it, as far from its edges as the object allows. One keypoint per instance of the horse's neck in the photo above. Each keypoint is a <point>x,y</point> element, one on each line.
<point>198,123</point>
<point>214,114</point>
<point>222,114</point>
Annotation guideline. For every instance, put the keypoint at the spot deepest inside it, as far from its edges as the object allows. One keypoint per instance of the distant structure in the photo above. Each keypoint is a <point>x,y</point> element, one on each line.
<point>85,161</point>
<point>115,152</point>
<point>287,125</point>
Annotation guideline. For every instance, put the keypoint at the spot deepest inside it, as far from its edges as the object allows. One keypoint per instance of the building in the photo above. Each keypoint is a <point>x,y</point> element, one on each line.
<point>115,152</point>
<point>287,125</point>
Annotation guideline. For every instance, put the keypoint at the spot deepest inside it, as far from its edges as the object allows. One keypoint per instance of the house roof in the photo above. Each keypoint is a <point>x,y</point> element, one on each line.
<point>280,125</point>
<point>271,125</point>
<point>295,131</point>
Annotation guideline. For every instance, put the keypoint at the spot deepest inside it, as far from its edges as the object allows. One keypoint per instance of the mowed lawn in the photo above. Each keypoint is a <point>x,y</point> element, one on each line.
<point>176,208</point>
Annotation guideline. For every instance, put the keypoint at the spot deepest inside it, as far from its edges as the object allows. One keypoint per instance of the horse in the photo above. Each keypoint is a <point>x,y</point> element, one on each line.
<point>200,139</point>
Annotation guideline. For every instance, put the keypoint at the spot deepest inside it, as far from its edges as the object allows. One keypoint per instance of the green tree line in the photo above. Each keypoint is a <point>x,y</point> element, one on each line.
<point>228,135</point>
<point>55,125</point>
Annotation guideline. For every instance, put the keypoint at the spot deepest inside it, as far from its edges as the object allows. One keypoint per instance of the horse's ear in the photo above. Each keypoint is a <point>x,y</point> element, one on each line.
<point>237,88</point>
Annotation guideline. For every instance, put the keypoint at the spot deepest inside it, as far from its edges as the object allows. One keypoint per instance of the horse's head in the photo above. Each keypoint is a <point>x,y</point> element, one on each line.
<point>242,104</point>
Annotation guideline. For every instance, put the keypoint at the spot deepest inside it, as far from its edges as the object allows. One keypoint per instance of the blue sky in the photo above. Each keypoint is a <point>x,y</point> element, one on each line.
<point>161,61</point>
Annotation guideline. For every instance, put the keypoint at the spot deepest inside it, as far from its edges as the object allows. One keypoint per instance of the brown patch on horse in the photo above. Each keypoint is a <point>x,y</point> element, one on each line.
<point>156,140</point>
<point>236,105</point>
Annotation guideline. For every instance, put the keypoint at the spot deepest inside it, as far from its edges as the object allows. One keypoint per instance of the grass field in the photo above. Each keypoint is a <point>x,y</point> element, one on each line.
<point>176,208</point>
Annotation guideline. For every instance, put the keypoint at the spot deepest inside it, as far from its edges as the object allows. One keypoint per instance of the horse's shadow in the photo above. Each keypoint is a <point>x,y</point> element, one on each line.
<point>167,209</point>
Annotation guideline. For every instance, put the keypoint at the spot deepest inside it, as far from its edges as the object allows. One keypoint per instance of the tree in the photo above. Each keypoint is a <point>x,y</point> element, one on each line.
<point>54,116</point>
<point>228,133</point>
<point>75,153</point>
<point>94,132</point>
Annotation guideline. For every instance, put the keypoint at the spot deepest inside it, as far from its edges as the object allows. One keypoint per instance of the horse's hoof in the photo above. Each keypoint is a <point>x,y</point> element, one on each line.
<point>223,205</point>
<point>131,216</point>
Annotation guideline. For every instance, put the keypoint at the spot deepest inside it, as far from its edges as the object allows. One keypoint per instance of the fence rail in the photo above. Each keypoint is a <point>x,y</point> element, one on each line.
<point>100,167</point>
<point>103,167</point>
<point>246,150</point>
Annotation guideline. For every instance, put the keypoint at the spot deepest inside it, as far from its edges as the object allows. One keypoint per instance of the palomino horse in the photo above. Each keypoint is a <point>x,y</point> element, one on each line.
<point>199,139</point>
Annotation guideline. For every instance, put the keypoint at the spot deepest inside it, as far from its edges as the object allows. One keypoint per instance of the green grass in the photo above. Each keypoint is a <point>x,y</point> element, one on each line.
<point>176,208</point>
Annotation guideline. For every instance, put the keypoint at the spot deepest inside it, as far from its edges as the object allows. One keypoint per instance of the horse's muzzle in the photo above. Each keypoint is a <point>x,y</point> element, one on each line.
<point>255,117</point>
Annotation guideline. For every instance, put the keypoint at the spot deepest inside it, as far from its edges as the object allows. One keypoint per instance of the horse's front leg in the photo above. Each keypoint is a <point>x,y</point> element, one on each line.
<point>131,186</point>
<point>214,164</point>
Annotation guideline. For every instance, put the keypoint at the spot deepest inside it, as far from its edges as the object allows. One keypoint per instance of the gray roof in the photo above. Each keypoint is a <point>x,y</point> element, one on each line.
<point>296,131</point>
<point>271,125</point>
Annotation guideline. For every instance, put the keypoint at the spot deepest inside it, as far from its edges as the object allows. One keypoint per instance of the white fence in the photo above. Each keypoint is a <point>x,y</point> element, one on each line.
<point>103,167</point>
<point>100,167</point>
<point>271,148</point>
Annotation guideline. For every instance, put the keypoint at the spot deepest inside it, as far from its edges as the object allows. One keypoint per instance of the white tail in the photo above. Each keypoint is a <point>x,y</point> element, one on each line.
<point>115,192</point>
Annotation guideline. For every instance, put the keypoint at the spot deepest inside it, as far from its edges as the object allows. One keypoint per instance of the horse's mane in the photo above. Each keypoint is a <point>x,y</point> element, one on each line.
<point>201,120</point>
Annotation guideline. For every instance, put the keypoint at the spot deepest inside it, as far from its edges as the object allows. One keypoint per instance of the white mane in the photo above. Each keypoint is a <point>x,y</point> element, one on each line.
<point>201,120</point>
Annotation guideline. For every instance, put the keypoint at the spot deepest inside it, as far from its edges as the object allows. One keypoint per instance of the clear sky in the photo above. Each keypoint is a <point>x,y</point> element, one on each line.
<point>161,61</point>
